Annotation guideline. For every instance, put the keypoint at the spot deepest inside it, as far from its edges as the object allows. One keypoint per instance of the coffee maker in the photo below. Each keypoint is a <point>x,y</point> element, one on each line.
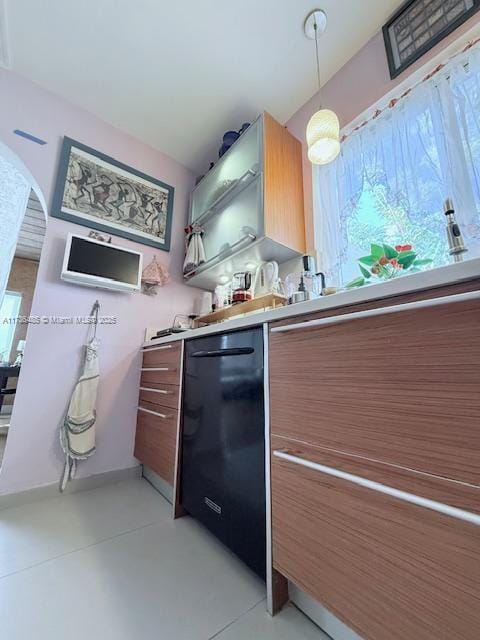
<point>306,284</point>
<point>241,287</point>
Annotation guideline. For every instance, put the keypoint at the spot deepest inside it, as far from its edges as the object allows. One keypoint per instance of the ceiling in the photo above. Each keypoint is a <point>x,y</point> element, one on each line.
<point>178,74</point>
<point>32,231</point>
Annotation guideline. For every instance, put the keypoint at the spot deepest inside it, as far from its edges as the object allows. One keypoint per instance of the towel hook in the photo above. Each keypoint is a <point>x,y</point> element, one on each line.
<point>94,314</point>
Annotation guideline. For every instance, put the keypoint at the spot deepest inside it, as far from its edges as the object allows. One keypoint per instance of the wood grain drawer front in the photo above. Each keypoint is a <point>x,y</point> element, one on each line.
<point>448,492</point>
<point>166,395</point>
<point>163,355</point>
<point>387,568</point>
<point>401,388</point>
<point>155,443</point>
<point>166,413</point>
<point>168,374</point>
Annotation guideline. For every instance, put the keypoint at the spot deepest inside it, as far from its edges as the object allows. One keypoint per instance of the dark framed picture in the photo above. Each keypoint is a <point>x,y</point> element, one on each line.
<point>99,192</point>
<point>419,25</point>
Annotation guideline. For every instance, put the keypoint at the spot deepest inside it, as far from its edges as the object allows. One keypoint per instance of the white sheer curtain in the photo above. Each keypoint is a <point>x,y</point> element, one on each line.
<point>14,192</point>
<point>423,150</point>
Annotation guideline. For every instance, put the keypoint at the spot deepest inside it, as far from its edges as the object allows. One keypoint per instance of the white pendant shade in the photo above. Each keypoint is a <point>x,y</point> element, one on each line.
<point>323,137</point>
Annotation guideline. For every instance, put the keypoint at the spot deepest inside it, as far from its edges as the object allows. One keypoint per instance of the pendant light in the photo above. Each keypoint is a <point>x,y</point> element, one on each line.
<point>323,129</point>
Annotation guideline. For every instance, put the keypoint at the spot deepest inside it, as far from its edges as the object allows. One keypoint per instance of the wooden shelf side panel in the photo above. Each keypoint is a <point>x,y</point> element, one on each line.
<point>283,186</point>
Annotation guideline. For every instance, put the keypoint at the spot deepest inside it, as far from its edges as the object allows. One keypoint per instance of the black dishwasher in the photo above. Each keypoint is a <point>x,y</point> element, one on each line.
<point>223,452</point>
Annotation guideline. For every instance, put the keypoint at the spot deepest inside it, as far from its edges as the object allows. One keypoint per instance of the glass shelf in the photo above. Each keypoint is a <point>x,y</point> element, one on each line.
<point>228,205</point>
<point>238,217</point>
<point>228,195</point>
<point>243,242</point>
<point>244,156</point>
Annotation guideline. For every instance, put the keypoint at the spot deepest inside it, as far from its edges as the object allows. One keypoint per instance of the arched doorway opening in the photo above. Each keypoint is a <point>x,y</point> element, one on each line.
<point>23,219</point>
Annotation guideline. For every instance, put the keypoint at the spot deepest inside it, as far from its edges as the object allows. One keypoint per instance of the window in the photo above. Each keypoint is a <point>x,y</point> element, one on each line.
<point>9,309</point>
<point>390,181</point>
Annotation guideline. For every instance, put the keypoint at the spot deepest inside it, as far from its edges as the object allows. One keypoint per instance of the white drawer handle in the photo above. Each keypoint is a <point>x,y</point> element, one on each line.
<point>147,349</point>
<point>155,368</point>
<point>369,313</point>
<point>154,413</point>
<point>454,512</point>
<point>164,391</point>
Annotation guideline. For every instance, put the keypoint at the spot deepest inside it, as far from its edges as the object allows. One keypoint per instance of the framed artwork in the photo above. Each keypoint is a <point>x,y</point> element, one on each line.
<point>419,25</point>
<point>101,193</point>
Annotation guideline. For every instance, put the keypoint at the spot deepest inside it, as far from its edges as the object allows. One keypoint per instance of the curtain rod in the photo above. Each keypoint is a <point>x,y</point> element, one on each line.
<point>394,101</point>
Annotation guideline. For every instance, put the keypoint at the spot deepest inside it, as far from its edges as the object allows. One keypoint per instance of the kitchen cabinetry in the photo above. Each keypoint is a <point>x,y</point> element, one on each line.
<point>250,204</point>
<point>376,463</point>
<point>240,166</point>
<point>157,439</point>
<point>401,388</point>
<point>387,567</point>
<point>373,477</point>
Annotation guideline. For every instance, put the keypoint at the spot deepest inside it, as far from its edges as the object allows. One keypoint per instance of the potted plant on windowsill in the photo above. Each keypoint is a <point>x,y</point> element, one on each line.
<point>386,262</point>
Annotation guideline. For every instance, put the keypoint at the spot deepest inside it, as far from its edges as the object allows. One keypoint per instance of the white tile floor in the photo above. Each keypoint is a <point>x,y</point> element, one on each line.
<point>110,564</point>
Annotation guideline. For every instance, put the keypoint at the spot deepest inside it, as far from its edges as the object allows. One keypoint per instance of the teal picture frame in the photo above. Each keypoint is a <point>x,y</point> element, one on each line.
<point>97,191</point>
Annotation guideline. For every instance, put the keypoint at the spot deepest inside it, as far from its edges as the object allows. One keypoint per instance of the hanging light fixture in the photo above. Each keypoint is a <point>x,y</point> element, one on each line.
<point>323,129</point>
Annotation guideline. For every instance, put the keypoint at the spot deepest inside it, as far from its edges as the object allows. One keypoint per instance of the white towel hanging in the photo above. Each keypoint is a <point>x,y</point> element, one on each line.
<point>195,253</point>
<point>77,433</point>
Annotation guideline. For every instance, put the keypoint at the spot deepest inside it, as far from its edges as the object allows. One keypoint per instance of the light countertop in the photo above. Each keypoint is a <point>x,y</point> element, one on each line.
<point>451,274</point>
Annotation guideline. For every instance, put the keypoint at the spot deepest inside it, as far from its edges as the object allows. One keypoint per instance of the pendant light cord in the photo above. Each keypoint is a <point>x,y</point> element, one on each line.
<point>315,26</point>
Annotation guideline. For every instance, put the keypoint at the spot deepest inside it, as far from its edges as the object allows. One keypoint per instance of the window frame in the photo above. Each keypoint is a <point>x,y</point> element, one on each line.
<point>458,47</point>
<point>11,326</point>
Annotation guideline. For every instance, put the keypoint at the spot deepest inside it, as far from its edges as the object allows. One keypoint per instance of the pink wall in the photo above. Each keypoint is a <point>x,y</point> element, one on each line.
<point>33,456</point>
<point>359,84</point>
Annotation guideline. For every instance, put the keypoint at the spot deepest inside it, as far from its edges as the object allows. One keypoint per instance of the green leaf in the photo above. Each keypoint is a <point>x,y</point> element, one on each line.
<point>358,282</point>
<point>368,260</point>
<point>421,261</point>
<point>406,260</point>
<point>365,272</point>
<point>390,252</point>
<point>377,251</point>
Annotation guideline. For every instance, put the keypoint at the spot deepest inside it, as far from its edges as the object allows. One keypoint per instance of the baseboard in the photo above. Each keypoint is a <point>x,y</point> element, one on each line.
<point>77,484</point>
<point>162,486</point>
<point>322,617</point>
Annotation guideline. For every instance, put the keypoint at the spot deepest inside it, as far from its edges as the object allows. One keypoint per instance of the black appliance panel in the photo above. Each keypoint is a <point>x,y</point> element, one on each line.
<point>103,260</point>
<point>223,453</point>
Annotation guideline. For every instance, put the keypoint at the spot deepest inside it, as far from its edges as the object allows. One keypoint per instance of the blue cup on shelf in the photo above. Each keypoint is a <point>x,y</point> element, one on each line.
<point>229,137</point>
